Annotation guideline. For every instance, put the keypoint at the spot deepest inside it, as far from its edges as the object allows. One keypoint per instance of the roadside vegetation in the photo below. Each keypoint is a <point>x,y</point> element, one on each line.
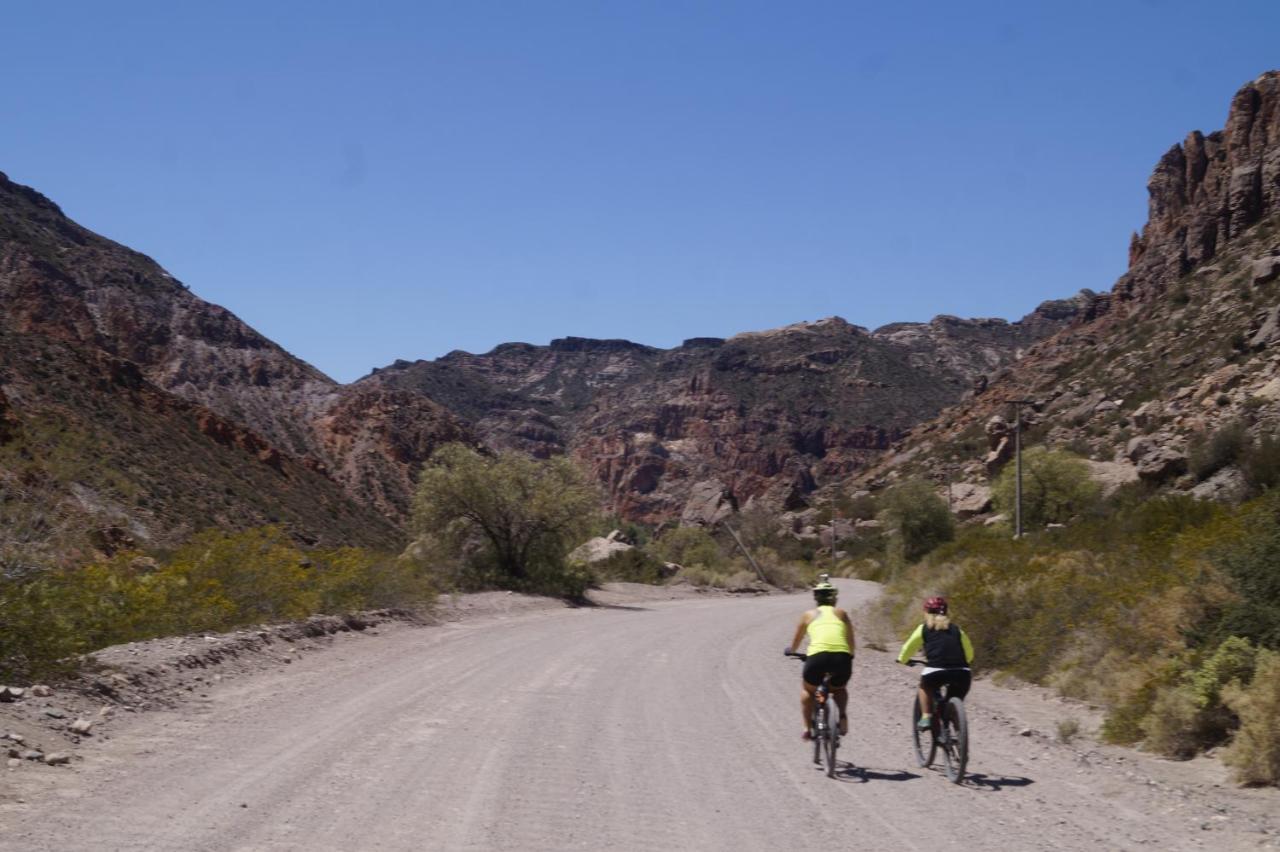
<point>1164,610</point>
<point>217,581</point>
<point>508,521</point>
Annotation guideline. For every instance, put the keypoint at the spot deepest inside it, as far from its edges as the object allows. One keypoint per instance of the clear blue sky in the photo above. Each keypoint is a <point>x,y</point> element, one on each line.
<point>368,181</point>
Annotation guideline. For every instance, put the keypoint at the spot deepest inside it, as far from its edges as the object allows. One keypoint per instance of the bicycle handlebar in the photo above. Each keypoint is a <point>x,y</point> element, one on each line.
<point>787,652</point>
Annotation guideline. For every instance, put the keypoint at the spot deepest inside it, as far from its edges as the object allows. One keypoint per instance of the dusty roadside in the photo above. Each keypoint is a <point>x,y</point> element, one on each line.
<point>523,725</point>
<point>54,726</point>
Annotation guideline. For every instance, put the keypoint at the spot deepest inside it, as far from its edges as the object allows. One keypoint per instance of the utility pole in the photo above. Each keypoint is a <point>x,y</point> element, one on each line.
<point>745,552</point>
<point>1017,454</point>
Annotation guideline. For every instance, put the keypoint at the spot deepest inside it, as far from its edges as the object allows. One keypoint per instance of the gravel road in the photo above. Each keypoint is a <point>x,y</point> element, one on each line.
<point>662,725</point>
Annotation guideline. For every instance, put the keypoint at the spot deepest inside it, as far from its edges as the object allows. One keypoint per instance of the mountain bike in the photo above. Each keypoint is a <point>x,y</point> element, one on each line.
<point>949,731</point>
<point>824,725</point>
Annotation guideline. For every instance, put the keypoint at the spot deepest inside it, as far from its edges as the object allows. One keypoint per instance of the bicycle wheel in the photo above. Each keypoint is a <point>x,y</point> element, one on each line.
<point>815,730</point>
<point>957,732</point>
<point>831,740</point>
<point>924,750</point>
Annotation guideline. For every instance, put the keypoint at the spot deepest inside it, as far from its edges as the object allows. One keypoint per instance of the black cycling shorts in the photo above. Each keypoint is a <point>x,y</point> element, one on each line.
<point>838,663</point>
<point>955,680</point>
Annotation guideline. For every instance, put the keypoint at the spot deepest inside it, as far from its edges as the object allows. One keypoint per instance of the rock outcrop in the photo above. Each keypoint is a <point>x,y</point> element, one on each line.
<point>1186,344</point>
<point>693,432</point>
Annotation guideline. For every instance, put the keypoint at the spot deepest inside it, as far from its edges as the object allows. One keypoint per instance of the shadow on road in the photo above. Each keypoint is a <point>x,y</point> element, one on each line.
<point>994,783</point>
<point>865,774</point>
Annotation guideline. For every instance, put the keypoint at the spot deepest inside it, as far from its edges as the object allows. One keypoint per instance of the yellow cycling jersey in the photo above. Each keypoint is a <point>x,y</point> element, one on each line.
<point>827,632</point>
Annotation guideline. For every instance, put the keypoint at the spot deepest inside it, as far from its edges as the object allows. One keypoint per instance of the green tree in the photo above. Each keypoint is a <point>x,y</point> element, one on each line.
<point>917,518</point>
<point>1055,488</point>
<point>510,518</point>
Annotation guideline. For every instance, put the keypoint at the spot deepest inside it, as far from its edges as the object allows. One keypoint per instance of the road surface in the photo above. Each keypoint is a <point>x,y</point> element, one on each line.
<point>669,725</point>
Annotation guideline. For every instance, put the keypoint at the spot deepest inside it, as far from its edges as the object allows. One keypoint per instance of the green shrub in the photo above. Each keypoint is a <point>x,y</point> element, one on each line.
<point>1208,455</point>
<point>1056,487</point>
<point>216,581</point>
<point>509,519</point>
<point>917,519</point>
<point>688,546</point>
<point>630,566</point>
<point>1260,464</point>
<point>1255,751</point>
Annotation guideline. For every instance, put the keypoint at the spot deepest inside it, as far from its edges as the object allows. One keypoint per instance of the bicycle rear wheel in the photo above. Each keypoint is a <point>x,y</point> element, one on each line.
<point>956,750</point>
<point>924,749</point>
<point>830,740</point>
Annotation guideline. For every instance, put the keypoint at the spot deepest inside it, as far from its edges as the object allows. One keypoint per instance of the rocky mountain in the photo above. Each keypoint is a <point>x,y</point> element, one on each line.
<point>712,424</point>
<point>136,411</point>
<point>142,412</point>
<point>1185,345</point>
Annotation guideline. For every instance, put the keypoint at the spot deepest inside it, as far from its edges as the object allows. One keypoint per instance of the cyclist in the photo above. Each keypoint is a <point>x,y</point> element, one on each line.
<point>830,649</point>
<point>948,654</point>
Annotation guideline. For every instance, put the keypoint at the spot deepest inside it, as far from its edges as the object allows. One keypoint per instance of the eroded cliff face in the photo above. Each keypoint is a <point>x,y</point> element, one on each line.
<point>1209,191</point>
<point>1186,342</point>
<point>762,417</point>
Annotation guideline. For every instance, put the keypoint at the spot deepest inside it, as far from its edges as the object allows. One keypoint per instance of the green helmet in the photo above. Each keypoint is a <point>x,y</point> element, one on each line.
<point>824,591</point>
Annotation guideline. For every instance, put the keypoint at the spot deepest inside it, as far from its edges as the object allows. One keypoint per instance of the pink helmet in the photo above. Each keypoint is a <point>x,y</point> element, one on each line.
<point>937,605</point>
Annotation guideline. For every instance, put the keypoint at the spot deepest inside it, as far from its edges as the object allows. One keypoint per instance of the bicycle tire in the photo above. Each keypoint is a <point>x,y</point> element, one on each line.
<point>924,754</point>
<point>831,738</point>
<point>957,749</point>
<point>815,731</point>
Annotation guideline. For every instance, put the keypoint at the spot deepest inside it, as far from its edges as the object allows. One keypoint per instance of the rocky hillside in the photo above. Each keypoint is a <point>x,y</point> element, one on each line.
<point>691,431</point>
<point>134,411</point>
<point>1184,346</point>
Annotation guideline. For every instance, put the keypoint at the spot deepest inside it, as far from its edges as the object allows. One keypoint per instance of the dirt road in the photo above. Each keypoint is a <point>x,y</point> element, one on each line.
<point>668,725</point>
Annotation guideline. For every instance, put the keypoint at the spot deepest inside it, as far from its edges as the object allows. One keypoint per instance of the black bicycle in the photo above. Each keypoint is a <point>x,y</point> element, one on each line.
<point>949,731</point>
<point>824,725</point>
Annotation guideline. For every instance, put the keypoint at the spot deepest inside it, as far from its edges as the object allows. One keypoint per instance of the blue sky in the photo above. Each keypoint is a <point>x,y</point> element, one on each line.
<point>369,181</point>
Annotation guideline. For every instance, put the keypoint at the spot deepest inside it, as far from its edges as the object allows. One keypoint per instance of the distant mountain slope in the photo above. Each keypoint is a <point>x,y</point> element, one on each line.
<point>1185,343</point>
<point>760,416</point>
<point>130,405</point>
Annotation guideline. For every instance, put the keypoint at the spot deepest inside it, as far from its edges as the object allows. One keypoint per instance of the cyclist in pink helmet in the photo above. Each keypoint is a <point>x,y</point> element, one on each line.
<point>948,655</point>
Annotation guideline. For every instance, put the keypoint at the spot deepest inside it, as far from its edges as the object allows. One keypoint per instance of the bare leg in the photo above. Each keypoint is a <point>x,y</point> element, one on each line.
<point>842,701</point>
<point>926,702</point>
<point>806,703</point>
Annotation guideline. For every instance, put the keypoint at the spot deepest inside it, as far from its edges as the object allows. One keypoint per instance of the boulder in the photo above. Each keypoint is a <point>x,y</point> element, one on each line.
<point>1147,413</point>
<point>597,549</point>
<point>996,459</point>
<point>1111,475</point>
<point>1265,270</point>
<point>1267,331</point>
<point>1138,447</point>
<point>997,429</point>
<point>995,519</point>
<point>1224,486</point>
<point>1162,463</point>
<point>83,727</point>
<point>11,693</point>
<point>969,499</point>
<point>709,503</point>
<point>1269,392</point>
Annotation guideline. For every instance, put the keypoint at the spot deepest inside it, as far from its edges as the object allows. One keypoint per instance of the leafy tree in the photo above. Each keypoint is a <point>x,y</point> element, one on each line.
<point>1055,488</point>
<point>511,519</point>
<point>917,518</point>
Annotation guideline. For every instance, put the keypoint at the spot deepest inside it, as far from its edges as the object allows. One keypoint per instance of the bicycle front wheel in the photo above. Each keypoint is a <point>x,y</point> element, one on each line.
<point>923,742</point>
<point>957,748</point>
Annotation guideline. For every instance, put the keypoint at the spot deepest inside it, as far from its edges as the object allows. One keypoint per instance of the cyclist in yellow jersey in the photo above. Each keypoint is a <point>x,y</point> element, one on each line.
<point>831,647</point>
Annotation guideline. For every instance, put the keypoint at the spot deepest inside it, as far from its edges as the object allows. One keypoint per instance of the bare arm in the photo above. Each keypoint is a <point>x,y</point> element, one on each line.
<point>848,629</point>
<point>800,631</point>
